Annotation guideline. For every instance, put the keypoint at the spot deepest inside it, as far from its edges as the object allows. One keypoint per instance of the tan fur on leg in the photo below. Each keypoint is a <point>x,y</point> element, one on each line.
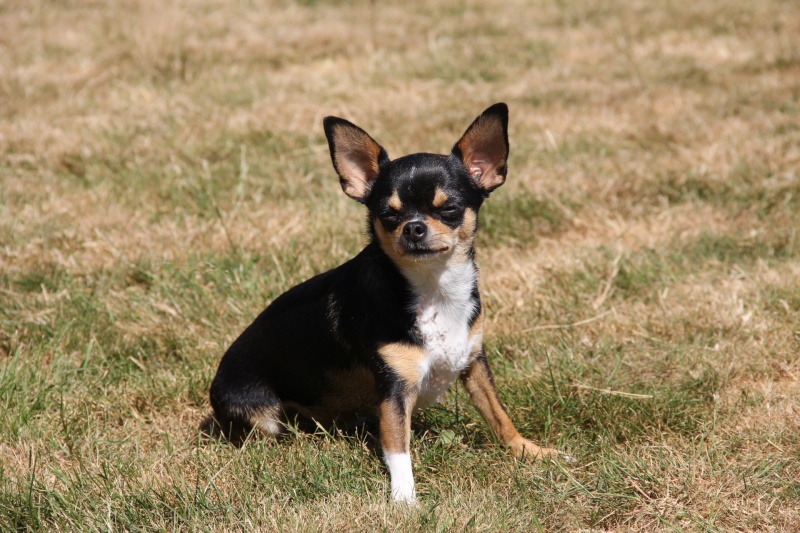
<point>477,379</point>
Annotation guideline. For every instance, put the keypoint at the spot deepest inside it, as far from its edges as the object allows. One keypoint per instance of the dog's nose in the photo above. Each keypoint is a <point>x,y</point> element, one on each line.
<point>415,231</point>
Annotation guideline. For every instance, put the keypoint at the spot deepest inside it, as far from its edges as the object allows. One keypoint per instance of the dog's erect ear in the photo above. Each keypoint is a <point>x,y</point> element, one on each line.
<point>484,148</point>
<point>355,155</point>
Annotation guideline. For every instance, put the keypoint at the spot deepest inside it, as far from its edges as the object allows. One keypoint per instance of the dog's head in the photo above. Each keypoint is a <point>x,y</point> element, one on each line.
<point>423,207</point>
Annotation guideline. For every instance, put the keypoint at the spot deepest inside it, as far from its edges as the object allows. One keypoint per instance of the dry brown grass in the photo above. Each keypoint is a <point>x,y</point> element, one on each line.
<point>163,174</point>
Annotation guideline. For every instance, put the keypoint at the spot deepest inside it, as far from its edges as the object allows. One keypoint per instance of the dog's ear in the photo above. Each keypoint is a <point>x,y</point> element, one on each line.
<point>355,155</point>
<point>484,148</point>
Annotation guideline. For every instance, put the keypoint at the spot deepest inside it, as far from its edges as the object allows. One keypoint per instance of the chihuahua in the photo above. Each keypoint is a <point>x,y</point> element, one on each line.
<point>389,331</point>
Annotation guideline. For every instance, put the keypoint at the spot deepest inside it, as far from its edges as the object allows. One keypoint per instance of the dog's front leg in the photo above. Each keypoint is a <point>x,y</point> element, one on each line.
<point>395,432</point>
<point>478,380</point>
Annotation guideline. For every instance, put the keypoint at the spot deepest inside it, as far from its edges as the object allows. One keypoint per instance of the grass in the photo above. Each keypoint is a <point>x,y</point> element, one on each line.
<point>163,176</point>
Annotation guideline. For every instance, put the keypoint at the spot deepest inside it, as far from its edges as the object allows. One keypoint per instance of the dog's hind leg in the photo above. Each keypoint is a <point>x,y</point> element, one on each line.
<point>238,410</point>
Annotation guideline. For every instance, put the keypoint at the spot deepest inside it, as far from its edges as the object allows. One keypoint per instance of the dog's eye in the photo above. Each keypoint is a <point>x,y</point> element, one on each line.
<point>450,212</point>
<point>391,216</point>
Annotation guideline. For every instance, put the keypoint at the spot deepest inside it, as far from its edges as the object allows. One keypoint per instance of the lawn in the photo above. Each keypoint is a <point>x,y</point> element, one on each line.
<point>164,175</point>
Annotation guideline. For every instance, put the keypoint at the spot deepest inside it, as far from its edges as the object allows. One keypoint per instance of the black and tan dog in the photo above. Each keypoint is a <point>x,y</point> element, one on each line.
<point>389,331</point>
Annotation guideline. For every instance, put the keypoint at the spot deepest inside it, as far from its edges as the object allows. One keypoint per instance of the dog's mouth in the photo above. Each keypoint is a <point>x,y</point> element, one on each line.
<point>422,252</point>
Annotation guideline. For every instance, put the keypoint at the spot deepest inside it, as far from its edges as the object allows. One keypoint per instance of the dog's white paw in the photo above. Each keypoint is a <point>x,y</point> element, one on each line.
<point>405,499</point>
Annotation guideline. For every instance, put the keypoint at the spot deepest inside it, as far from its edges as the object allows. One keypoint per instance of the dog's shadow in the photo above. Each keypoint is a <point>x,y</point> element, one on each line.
<point>364,430</point>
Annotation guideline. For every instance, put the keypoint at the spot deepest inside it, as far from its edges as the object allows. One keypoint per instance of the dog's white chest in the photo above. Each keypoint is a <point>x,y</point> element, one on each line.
<point>443,323</point>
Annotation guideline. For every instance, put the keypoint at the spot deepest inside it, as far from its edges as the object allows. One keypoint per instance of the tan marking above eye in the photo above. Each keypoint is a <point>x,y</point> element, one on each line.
<point>394,202</point>
<point>439,198</point>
